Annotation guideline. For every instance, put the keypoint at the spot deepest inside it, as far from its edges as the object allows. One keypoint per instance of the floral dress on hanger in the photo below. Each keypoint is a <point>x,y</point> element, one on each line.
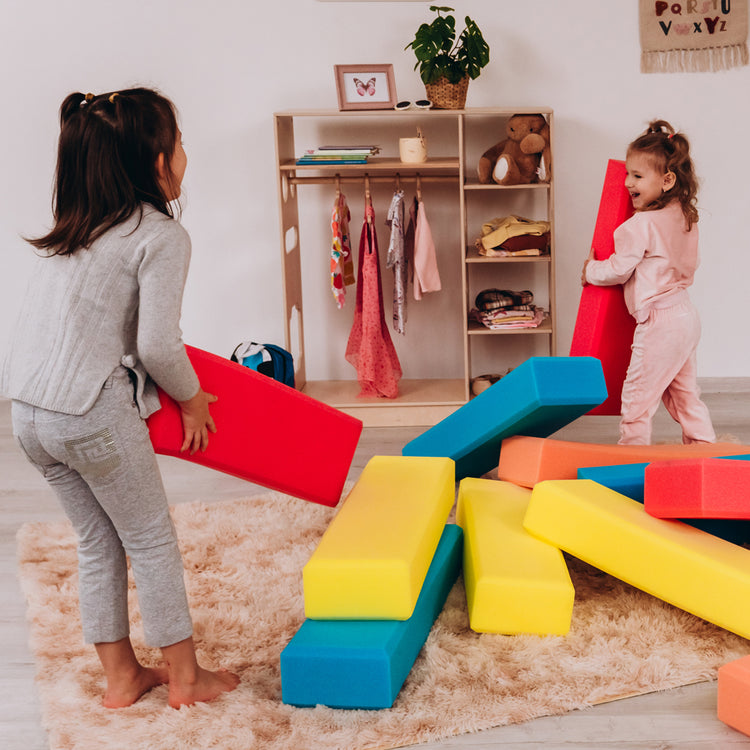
<point>342,264</point>
<point>370,349</point>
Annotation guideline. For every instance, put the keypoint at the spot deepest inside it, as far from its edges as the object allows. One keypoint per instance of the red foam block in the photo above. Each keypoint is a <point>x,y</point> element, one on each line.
<point>733,696</point>
<point>698,488</point>
<point>604,327</point>
<point>267,432</point>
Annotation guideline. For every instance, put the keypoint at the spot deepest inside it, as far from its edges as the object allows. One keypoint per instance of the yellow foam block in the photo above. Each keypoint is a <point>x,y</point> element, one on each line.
<point>373,558</point>
<point>686,567</point>
<point>527,460</point>
<point>515,582</point>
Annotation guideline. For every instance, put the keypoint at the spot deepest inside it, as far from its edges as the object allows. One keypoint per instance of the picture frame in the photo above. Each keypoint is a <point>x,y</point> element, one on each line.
<point>365,86</point>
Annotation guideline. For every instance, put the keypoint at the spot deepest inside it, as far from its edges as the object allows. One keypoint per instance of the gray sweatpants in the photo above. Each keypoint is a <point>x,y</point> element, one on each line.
<point>103,468</point>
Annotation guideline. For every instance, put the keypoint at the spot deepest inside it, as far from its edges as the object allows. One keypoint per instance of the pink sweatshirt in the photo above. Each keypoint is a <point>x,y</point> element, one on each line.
<point>655,260</point>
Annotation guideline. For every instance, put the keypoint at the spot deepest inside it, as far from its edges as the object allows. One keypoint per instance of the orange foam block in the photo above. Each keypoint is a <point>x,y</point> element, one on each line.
<point>527,460</point>
<point>698,488</point>
<point>733,699</point>
<point>688,568</point>
<point>604,327</point>
<point>267,432</point>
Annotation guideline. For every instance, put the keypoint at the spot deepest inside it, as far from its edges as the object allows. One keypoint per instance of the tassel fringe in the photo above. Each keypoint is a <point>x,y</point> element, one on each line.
<point>711,59</point>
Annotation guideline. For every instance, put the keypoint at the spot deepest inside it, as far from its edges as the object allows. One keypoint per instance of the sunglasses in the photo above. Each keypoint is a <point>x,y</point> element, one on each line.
<point>419,104</point>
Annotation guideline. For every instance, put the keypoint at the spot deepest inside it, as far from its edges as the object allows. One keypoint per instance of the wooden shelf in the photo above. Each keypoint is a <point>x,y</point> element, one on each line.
<point>419,401</point>
<point>473,256</point>
<point>473,184</point>
<point>377,164</point>
<point>477,329</point>
<point>460,135</point>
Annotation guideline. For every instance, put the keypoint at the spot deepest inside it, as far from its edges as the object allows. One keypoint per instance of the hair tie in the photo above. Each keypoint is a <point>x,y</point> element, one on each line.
<point>86,99</point>
<point>670,136</point>
<point>113,97</point>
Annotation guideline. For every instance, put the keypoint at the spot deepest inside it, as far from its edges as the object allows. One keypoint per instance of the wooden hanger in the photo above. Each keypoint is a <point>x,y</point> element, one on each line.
<point>368,200</point>
<point>338,186</point>
<point>398,181</point>
<point>419,187</point>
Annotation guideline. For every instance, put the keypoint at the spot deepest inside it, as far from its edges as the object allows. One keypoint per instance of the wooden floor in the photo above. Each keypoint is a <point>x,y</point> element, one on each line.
<point>682,718</point>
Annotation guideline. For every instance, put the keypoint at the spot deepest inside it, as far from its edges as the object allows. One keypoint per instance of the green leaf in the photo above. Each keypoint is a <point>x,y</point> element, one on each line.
<point>438,52</point>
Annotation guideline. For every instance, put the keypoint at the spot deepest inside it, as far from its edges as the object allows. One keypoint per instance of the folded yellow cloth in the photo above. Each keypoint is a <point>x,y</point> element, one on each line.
<point>497,231</point>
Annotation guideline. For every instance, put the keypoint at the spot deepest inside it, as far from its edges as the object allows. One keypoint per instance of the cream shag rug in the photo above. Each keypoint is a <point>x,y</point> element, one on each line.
<point>244,564</point>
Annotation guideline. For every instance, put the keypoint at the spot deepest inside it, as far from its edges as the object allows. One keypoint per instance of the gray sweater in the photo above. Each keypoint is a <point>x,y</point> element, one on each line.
<point>117,303</point>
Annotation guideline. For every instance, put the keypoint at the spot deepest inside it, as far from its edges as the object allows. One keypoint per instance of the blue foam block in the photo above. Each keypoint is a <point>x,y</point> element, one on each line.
<point>537,398</point>
<point>363,663</point>
<point>629,479</point>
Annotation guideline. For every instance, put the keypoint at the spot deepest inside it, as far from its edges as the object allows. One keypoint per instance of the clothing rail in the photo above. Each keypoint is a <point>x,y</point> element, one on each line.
<point>373,178</point>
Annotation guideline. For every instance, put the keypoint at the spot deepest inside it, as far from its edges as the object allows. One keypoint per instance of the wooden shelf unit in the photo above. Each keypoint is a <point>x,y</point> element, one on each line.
<point>420,401</point>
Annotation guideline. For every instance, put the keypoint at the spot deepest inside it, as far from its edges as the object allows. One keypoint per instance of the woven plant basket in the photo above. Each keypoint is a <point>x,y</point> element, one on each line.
<point>446,95</point>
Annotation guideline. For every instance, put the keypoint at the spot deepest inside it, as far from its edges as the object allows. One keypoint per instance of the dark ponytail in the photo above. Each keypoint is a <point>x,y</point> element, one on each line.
<point>670,152</point>
<point>107,164</point>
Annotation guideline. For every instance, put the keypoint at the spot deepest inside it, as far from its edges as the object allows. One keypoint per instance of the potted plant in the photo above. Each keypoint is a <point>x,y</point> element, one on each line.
<point>445,63</point>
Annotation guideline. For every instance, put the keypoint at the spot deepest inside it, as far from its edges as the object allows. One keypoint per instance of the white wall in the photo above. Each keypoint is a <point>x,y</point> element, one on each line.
<point>230,64</point>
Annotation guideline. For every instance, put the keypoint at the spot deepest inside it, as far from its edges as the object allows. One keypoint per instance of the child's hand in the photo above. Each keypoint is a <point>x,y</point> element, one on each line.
<point>197,421</point>
<point>585,263</point>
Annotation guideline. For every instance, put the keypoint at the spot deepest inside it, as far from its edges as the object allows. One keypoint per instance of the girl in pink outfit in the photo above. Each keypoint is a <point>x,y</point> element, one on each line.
<point>655,258</point>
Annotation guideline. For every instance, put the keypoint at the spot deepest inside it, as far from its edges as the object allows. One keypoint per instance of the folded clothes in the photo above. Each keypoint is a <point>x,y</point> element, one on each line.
<point>522,245</point>
<point>509,318</point>
<point>496,232</point>
<point>494,299</point>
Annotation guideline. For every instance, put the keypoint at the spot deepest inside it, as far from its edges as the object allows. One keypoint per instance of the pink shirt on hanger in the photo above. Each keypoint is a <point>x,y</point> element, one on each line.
<point>426,274</point>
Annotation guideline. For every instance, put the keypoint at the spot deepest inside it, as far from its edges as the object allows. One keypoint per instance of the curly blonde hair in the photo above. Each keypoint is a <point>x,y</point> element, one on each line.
<point>670,152</point>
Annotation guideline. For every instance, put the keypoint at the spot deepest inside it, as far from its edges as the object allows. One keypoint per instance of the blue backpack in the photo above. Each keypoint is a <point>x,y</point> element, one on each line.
<point>267,359</point>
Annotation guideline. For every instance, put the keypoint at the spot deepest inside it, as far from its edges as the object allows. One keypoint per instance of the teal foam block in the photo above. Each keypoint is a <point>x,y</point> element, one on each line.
<point>537,398</point>
<point>629,479</point>
<point>363,663</point>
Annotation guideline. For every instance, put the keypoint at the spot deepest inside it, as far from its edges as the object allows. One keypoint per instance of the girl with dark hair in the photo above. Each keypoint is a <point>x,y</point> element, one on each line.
<point>99,328</point>
<point>655,259</point>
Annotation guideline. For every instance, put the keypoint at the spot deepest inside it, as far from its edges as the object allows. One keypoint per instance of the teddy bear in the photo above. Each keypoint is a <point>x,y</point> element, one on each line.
<point>523,157</point>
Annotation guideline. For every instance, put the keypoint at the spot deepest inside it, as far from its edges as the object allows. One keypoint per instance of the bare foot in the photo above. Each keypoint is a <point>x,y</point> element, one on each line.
<point>206,686</point>
<point>125,691</point>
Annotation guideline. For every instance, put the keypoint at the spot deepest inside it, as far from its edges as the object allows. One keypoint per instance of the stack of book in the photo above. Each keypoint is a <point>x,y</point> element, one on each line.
<point>338,155</point>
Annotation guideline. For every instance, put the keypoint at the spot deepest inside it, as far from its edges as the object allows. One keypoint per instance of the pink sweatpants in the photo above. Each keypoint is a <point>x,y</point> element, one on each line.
<point>663,367</point>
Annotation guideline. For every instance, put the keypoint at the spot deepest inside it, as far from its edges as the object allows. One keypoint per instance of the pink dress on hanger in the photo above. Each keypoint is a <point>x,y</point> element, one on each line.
<point>370,348</point>
<point>426,274</point>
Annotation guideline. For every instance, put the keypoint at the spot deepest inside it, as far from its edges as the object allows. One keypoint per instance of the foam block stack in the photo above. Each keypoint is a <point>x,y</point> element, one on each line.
<point>515,583</point>
<point>688,568</point>
<point>268,433</point>
<point>360,664</point>
<point>373,558</point>
<point>536,398</point>
<point>604,327</point>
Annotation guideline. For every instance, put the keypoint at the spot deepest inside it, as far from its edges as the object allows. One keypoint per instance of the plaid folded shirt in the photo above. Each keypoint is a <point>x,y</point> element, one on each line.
<point>495,299</point>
